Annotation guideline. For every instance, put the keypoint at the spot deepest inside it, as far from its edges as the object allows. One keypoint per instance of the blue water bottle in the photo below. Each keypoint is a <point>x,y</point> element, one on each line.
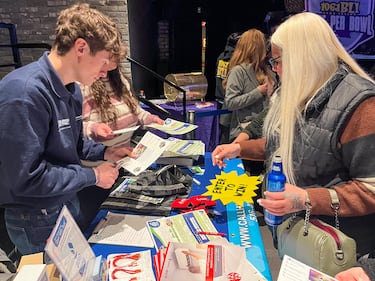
<point>275,183</point>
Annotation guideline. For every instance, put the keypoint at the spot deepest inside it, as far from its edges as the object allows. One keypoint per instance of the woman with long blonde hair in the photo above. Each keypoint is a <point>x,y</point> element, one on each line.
<point>323,128</point>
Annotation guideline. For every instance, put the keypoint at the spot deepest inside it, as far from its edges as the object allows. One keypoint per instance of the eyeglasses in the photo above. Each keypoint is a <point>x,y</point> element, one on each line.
<point>274,61</point>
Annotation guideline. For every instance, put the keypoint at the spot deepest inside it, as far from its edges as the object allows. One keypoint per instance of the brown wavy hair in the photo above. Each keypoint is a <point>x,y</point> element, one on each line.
<point>101,94</point>
<point>251,48</point>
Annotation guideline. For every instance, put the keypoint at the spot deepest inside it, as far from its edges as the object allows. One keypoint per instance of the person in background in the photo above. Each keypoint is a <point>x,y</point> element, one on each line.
<point>249,85</point>
<point>108,105</point>
<point>254,129</point>
<point>222,66</point>
<point>323,128</point>
<point>41,128</point>
<point>250,81</point>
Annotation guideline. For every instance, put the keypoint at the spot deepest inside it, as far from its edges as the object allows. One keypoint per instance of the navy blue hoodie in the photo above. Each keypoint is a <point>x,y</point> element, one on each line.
<point>41,141</point>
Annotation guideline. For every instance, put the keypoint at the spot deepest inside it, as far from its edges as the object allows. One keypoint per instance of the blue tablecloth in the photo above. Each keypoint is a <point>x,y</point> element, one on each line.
<point>240,222</point>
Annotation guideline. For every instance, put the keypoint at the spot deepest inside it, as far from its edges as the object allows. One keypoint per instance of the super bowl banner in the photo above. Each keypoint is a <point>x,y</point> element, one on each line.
<point>352,21</point>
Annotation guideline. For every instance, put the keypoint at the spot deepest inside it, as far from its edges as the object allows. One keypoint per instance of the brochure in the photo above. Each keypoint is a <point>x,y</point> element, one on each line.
<point>184,228</point>
<point>130,266</point>
<point>173,127</point>
<point>69,249</point>
<point>124,134</point>
<point>188,148</point>
<point>149,148</point>
<point>294,270</point>
<point>123,229</point>
<point>217,260</point>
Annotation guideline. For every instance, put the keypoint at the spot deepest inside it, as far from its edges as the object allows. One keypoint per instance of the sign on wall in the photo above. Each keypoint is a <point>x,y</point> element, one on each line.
<point>352,21</point>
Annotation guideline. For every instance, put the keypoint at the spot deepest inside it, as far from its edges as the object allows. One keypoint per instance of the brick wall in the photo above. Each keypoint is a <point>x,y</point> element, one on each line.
<point>35,22</point>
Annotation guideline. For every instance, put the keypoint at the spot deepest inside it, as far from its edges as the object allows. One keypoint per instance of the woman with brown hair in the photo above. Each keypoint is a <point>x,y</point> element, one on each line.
<point>109,104</point>
<point>250,81</point>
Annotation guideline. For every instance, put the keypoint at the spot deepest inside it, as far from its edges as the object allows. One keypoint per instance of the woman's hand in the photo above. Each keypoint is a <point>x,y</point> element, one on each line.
<point>102,132</point>
<point>266,88</point>
<point>353,274</point>
<point>225,151</point>
<point>281,203</point>
<point>157,120</point>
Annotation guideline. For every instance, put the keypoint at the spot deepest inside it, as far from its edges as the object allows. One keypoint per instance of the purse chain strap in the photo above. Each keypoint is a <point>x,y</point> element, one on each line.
<point>335,205</point>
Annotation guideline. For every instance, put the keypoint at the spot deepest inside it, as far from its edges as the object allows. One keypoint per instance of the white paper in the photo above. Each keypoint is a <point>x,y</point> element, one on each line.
<point>147,151</point>
<point>69,249</point>
<point>217,260</point>
<point>123,229</point>
<point>135,266</point>
<point>174,127</point>
<point>294,270</point>
<point>182,228</point>
<point>124,134</point>
<point>180,147</point>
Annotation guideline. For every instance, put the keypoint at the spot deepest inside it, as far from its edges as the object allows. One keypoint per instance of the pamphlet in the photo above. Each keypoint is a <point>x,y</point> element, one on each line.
<point>217,260</point>
<point>188,148</point>
<point>294,270</point>
<point>173,127</point>
<point>184,228</point>
<point>124,134</point>
<point>69,249</point>
<point>123,229</point>
<point>131,266</point>
<point>149,148</point>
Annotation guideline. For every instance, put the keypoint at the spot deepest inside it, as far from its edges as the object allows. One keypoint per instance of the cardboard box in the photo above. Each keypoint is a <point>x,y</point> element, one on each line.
<point>52,272</point>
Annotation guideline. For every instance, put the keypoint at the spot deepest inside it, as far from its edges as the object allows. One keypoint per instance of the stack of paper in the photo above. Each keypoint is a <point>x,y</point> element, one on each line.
<point>123,229</point>
<point>182,152</point>
<point>215,261</point>
<point>130,266</point>
<point>184,228</point>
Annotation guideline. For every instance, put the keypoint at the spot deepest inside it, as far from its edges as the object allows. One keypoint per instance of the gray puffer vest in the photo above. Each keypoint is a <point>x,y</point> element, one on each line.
<point>317,155</point>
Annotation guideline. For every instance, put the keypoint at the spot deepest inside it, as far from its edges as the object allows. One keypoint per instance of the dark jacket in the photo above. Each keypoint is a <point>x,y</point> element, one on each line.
<point>41,138</point>
<point>318,160</point>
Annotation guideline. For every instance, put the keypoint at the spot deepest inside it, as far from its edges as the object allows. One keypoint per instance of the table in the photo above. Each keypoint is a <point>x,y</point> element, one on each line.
<point>239,220</point>
<point>205,117</point>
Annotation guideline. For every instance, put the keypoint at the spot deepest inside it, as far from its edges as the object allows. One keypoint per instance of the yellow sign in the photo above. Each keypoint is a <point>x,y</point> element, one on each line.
<point>222,69</point>
<point>230,187</point>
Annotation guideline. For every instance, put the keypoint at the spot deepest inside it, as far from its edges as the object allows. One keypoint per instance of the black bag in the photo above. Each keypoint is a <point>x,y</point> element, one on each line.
<point>151,192</point>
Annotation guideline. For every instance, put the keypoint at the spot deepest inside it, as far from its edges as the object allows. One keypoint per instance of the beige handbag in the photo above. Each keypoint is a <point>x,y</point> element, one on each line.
<point>317,244</point>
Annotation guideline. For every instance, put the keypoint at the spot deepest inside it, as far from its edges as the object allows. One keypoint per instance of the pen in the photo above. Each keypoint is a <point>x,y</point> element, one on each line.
<point>196,181</point>
<point>99,227</point>
<point>212,233</point>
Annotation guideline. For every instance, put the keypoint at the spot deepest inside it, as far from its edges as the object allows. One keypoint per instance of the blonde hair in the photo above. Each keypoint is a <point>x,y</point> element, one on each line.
<point>251,49</point>
<point>310,57</point>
